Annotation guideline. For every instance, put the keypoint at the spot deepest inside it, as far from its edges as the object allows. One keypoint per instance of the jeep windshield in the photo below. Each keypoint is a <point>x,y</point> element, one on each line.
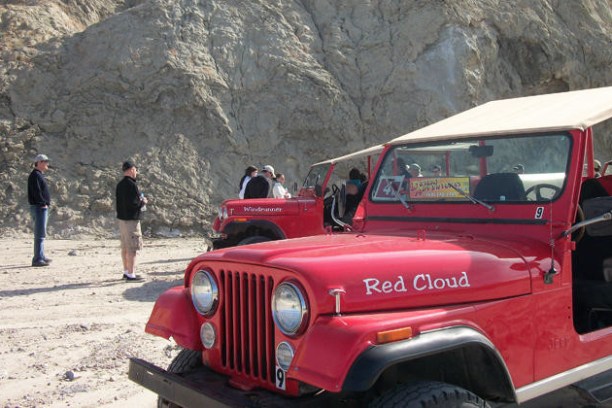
<point>316,176</point>
<point>501,169</point>
<point>326,174</point>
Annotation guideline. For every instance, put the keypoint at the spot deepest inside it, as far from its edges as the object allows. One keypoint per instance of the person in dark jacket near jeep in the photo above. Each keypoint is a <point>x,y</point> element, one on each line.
<point>129,204</point>
<point>39,200</point>
<point>261,186</point>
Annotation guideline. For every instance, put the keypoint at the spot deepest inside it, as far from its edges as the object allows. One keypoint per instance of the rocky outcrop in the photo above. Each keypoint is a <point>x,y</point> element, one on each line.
<point>194,91</point>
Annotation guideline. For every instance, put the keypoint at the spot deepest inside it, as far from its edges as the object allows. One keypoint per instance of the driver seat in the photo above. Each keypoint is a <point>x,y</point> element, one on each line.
<point>500,187</point>
<point>591,188</point>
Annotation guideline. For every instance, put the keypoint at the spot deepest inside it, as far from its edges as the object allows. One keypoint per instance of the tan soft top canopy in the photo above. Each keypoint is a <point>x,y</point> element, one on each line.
<point>541,113</point>
<point>361,153</point>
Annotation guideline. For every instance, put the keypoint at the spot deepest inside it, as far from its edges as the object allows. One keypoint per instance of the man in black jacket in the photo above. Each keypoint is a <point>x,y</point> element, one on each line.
<point>130,203</point>
<point>40,200</point>
<point>261,186</point>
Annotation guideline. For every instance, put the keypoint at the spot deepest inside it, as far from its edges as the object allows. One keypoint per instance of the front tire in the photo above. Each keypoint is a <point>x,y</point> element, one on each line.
<point>428,394</point>
<point>254,240</point>
<point>185,361</point>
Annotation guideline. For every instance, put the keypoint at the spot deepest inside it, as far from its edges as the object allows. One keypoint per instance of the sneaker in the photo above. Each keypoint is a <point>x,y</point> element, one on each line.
<point>136,278</point>
<point>48,260</point>
<point>40,263</point>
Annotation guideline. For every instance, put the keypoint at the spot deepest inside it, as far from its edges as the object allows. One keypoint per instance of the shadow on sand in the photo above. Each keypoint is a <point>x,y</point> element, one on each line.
<point>148,291</point>
<point>55,288</point>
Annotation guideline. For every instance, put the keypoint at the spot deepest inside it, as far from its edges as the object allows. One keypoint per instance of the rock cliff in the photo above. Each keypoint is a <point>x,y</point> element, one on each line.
<point>194,91</point>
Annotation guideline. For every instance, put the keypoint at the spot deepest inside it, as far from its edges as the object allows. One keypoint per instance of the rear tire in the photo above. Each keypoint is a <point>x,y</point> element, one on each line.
<point>185,361</point>
<point>428,394</point>
<point>254,240</point>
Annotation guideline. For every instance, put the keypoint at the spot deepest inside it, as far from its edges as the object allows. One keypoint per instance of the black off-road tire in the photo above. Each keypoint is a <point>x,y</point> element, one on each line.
<point>185,361</point>
<point>254,240</point>
<point>428,394</point>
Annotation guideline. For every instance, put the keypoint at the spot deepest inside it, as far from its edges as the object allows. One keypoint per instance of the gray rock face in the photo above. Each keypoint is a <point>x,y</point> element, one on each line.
<point>195,91</point>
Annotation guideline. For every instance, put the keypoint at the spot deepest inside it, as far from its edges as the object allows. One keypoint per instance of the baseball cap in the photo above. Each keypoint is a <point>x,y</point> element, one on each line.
<point>127,165</point>
<point>41,157</point>
<point>269,169</point>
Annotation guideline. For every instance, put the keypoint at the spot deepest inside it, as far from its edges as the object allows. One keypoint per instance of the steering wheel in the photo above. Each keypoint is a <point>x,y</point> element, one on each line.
<point>537,189</point>
<point>579,233</point>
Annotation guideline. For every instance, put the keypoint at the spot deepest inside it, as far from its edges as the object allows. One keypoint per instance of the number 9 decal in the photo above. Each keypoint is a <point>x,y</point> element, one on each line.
<point>539,213</point>
<point>280,378</point>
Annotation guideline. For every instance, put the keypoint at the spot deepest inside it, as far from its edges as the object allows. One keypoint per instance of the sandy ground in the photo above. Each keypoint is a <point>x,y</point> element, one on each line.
<point>68,330</point>
<point>78,316</point>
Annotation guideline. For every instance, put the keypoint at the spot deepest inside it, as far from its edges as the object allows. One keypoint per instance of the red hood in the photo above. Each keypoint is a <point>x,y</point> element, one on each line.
<point>393,270</point>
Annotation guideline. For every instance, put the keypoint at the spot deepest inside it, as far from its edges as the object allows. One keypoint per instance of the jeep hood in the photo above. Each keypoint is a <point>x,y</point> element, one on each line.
<point>392,270</point>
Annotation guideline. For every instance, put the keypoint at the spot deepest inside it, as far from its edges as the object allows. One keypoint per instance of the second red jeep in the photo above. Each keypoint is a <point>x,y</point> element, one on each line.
<point>242,222</point>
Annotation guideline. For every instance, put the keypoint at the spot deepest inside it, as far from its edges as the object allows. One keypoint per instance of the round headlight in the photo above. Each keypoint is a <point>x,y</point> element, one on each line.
<point>289,308</point>
<point>204,292</point>
<point>284,355</point>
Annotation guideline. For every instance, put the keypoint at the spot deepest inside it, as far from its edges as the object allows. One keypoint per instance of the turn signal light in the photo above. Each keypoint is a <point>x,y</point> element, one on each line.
<point>359,217</point>
<point>394,335</point>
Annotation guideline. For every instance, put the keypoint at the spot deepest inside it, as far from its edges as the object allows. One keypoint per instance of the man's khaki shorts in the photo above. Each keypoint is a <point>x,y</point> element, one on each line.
<point>131,235</point>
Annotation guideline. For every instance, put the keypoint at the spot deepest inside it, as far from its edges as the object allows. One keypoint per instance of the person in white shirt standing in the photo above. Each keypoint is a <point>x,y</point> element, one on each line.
<point>279,189</point>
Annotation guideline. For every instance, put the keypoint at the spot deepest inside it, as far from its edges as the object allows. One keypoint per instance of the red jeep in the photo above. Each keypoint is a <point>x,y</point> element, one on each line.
<point>242,222</point>
<point>486,276</point>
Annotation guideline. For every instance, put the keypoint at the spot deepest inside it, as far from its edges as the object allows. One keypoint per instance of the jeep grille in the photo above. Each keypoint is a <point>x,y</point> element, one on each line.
<point>247,347</point>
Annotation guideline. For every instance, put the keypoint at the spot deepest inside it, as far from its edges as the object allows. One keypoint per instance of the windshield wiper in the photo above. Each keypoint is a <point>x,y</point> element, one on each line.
<point>472,199</point>
<point>399,197</point>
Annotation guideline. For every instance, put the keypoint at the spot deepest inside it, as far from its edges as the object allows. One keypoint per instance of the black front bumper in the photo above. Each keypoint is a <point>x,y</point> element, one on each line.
<point>205,388</point>
<point>220,243</point>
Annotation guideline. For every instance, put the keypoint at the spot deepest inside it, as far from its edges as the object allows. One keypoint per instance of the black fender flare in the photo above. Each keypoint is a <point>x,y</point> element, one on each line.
<point>370,365</point>
<point>238,229</point>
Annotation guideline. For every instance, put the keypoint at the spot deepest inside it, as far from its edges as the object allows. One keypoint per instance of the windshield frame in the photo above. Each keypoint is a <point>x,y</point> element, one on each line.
<point>317,176</point>
<point>468,181</point>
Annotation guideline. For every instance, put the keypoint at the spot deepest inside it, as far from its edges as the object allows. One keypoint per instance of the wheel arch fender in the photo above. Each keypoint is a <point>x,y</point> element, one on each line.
<point>376,360</point>
<point>174,316</point>
<point>254,227</point>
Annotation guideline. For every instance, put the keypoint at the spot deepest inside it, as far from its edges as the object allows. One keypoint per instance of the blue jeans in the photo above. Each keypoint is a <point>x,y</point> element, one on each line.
<point>39,217</point>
